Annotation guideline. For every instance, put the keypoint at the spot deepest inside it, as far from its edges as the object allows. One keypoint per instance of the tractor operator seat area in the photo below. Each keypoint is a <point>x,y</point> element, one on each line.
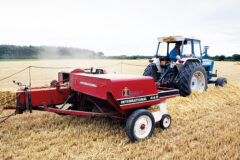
<point>164,51</point>
<point>166,48</point>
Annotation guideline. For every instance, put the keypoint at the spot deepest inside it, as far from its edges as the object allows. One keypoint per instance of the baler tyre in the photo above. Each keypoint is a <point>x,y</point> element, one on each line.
<point>192,78</point>
<point>221,81</point>
<point>140,125</point>
<point>151,70</point>
<point>165,122</point>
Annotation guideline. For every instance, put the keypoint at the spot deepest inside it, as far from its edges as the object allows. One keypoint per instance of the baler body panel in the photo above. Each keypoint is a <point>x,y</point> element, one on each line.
<point>128,90</point>
<point>47,95</point>
<point>93,86</point>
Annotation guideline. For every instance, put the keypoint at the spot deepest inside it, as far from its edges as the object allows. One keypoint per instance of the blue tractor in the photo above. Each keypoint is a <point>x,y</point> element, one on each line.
<point>190,71</point>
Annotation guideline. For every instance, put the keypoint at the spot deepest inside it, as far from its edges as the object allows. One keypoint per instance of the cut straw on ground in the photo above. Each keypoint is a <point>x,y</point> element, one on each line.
<point>204,126</point>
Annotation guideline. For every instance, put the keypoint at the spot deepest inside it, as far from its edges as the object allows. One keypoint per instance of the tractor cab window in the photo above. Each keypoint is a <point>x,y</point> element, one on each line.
<point>197,49</point>
<point>171,46</point>
<point>187,48</point>
<point>162,51</point>
<point>165,48</point>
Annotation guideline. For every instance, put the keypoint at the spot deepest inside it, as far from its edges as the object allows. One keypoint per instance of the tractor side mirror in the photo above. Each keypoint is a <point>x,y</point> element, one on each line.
<point>203,53</point>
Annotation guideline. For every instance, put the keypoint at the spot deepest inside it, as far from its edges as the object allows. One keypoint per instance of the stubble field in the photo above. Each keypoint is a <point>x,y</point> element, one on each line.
<point>204,126</point>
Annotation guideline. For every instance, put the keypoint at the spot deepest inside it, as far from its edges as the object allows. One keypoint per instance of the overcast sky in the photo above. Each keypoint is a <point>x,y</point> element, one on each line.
<point>120,27</point>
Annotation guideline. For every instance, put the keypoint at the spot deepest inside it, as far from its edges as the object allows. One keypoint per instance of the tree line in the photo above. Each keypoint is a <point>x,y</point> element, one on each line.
<point>35,52</point>
<point>235,57</point>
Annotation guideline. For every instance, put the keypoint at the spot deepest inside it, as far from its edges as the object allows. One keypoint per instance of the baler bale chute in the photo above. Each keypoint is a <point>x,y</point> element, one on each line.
<point>123,98</point>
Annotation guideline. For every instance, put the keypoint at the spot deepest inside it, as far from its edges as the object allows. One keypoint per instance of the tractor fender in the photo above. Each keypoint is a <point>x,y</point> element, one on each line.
<point>157,62</point>
<point>187,60</point>
<point>180,66</point>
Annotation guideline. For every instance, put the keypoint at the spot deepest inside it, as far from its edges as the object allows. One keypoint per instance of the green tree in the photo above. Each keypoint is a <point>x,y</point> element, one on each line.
<point>236,57</point>
<point>221,58</point>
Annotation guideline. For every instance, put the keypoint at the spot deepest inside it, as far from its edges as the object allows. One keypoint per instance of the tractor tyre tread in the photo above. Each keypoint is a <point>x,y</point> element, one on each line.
<point>185,78</point>
<point>151,70</point>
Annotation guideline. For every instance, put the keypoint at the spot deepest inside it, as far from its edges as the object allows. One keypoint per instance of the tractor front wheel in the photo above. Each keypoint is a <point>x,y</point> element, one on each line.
<point>140,125</point>
<point>192,78</point>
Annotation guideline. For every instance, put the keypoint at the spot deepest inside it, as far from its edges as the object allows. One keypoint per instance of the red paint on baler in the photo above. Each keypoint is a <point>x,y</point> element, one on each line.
<point>48,95</point>
<point>101,84</point>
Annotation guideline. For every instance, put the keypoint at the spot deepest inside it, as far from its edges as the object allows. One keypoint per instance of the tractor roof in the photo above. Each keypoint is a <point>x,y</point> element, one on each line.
<point>173,39</point>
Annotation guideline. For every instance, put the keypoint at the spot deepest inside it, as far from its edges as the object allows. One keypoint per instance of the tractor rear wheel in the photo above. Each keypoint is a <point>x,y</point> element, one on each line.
<point>192,78</point>
<point>140,125</point>
<point>151,70</point>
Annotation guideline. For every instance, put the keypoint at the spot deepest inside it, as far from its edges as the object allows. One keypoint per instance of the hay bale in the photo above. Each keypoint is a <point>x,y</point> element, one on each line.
<point>7,98</point>
<point>1,109</point>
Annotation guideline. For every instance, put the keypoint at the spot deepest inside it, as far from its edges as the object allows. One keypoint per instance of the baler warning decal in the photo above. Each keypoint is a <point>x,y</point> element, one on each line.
<point>127,101</point>
<point>88,84</point>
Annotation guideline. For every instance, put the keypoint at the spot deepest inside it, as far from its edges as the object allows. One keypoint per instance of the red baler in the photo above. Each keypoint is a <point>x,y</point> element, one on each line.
<point>134,99</point>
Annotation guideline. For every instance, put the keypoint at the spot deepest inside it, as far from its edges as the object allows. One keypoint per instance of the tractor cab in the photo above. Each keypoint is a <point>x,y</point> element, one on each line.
<point>189,47</point>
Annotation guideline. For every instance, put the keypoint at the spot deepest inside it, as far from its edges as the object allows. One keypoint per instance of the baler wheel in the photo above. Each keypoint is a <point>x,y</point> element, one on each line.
<point>221,82</point>
<point>140,125</point>
<point>165,122</point>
